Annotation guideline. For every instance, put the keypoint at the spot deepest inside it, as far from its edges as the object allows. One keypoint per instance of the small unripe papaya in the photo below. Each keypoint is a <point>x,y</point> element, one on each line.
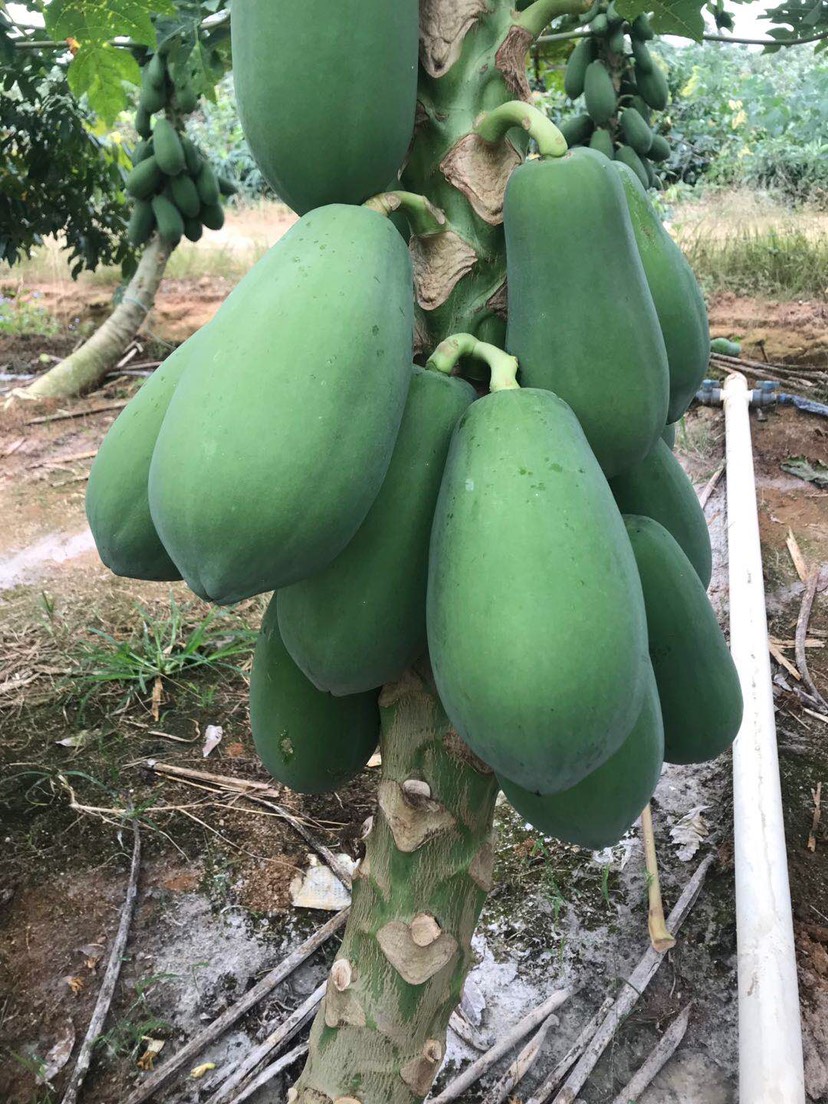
<point>599,93</point>
<point>169,152</point>
<point>184,195</point>
<point>636,132</point>
<point>601,140</point>
<point>577,130</point>
<point>169,220</point>
<point>208,186</point>
<point>141,222</point>
<point>576,67</point>
<point>144,178</point>
<point>212,215</point>
<point>630,158</point>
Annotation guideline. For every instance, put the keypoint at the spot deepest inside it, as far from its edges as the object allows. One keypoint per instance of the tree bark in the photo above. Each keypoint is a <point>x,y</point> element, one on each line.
<point>85,369</point>
<point>379,1037</point>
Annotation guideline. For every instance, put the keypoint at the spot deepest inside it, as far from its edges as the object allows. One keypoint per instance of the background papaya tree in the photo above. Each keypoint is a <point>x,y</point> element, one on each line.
<point>102,49</point>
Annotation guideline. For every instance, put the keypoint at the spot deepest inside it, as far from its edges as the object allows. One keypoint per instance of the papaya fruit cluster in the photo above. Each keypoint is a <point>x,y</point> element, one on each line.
<point>175,189</point>
<point>540,544</point>
<point>620,90</point>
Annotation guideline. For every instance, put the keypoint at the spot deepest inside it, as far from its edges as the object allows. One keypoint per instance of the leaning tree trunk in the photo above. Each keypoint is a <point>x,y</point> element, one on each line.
<point>85,369</point>
<point>379,1037</point>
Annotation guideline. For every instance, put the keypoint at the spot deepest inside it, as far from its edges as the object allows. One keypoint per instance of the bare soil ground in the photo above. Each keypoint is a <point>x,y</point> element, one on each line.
<point>214,908</point>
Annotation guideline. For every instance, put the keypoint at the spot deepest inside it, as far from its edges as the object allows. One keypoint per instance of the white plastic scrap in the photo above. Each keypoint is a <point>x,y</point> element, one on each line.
<point>319,887</point>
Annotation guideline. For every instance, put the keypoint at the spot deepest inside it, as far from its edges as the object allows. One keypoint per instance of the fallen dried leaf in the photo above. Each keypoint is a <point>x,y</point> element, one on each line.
<point>93,953</point>
<point>59,1055</point>
<point>689,832</point>
<point>76,984</point>
<point>212,739</point>
<point>79,741</point>
<point>154,1048</point>
<point>198,1071</point>
<point>157,698</point>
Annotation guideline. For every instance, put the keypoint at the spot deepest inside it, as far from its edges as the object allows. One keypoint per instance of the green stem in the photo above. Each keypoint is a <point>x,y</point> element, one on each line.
<point>449,352</point>
<point>540,14</point>
<point>494,125</point>
<point>424,218</point>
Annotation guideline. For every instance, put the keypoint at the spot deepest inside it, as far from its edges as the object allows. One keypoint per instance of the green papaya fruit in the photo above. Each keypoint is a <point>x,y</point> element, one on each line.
<point>141,222</point>
<point>186,98</point>
<point>169,153</point>
<point>144,178</point>
<point>528,555</point>
<point>577,129</point>
<point>613,375</point>
<point>117,505</point>
<point>307,739</point>
<point>659,488</point>
<point>653,87</point>
<point>678,299</point>
<point>652,179</point>
<point>636,132</point>
<point>600,24</point>
<point>643,58</point>
<point>627,156</point>
<point>151,99</point>
<point>352,130</point>
<point>277,442</point>
<point>576,66</point>
<point>601,140</point>
<point>168,219</point>
<point>603,806</point>
<point>361,622</point>
<point>142,151</point>
<point>227,187</point>
<point>641,29</point>
<point>599,93</point>
<point>698,685</point>
<point>156,71</point>
<point>589,15</point>
<point>143,122</point>
<point>208,186</point>
<point>616,42</point>
<point>725,347</point>
<point>643,109</point>
<point>660,149</point>
<point>212,215</point>
<point>192,156</point>
<point>185,195</point>
<point>669,438</point>
<point>193,229</point>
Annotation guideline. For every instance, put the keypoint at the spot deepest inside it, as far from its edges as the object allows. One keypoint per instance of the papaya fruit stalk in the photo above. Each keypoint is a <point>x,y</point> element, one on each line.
<point>379,1037</point>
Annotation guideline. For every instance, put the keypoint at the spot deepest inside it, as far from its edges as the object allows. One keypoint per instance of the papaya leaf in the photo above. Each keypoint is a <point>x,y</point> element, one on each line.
<point>100,71</point>
<point>676,17</point>
<point>94,22</point>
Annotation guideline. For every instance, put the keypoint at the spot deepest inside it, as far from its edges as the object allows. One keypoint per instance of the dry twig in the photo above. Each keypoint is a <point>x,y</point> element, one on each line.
<point>707,492</point>
<point>65,415</point>
<point>521,1065</point>
<point>260,793</point>
<point>110,979</point>
<point>664,1050</point>
<point>553,1081</point>
<point>231,1015</point>
<point>802,633</point>
<point>817,796</point>
<point>638,981</point>
<point>797,557</point>
<point>492,1056</point>
<point>660,937</point>
<point>283,1034</point>
<point>269,1072</point>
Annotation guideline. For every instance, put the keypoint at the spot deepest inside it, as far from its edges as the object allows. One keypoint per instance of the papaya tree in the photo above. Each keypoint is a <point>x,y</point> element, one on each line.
<point>176,58</point>
<point>444,447</point>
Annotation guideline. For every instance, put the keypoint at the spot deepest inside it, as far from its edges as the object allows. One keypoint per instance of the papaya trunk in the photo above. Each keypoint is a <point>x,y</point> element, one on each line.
<point>379,1037</point>
<point>85,369</point>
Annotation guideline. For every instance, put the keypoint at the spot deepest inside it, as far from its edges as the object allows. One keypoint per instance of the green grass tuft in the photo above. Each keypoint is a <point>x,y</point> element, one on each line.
<point>780,263</point>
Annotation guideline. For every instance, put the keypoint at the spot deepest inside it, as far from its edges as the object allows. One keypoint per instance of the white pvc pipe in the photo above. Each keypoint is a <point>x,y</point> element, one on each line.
<point>770,1036</point>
